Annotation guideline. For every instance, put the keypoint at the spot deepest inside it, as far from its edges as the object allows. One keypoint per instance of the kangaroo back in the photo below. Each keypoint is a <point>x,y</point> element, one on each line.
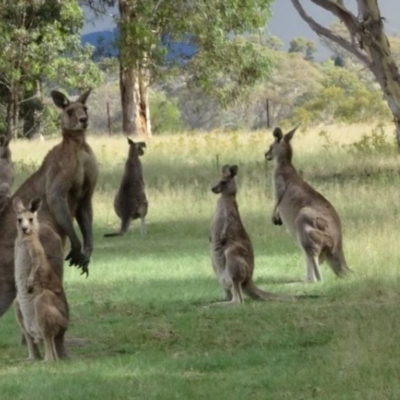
<point>308,216</point>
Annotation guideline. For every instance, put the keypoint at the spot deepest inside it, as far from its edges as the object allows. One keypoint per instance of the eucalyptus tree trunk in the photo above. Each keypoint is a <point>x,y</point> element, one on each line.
<point>12,112</point>
<point>368,42</point>
<point>133,79</point>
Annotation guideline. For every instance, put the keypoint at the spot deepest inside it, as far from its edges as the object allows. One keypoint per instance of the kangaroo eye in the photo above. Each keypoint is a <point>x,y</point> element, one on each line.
<point>85,109</point>
<point>70,112</point>
<point>31,220</point>
<point>19,220</point>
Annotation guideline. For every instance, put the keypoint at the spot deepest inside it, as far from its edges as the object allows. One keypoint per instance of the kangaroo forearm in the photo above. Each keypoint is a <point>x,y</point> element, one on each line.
<point>84,217</point>
<point>61,212</point>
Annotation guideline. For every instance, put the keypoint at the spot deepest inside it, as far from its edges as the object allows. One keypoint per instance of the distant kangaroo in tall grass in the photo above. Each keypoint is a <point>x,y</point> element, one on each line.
<point>308,216</point>
<point>65,182</point>
<point>41,305</point>
<point>130,202</point>
<point>231,248</point>
<point>6,170</point>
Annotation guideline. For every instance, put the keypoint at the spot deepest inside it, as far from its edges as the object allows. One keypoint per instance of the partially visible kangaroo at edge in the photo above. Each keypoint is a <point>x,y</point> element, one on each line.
<point>308,216</point>
<point>65,182</point>
<point>231,248</point>
<point>6,171</point>
<point>41,305</point>
<point>130,202</point>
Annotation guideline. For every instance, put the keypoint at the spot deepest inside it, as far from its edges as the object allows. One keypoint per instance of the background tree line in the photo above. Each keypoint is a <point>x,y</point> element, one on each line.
<point>225,84</point>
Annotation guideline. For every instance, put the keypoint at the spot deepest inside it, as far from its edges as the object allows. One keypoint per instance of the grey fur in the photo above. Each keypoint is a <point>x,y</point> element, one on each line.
<point>310,218</point>
<point>231,248</point>
<point>130,202</point>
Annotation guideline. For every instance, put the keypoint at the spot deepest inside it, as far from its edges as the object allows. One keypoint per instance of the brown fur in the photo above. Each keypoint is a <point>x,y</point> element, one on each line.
<point>130,202</point>
<point>231,248</point>
<point>308,216</point>
<point>65,182</point>
<point>41,305</point>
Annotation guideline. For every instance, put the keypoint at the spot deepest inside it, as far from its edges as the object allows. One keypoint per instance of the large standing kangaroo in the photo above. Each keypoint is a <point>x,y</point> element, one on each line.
<point>308,216</point>
<point>231,248</point>
<point>65,182</point>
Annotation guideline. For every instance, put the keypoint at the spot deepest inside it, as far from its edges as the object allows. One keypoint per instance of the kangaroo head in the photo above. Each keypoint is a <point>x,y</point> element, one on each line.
<point>281,149</point>
<point>74,116</point>
<point>226,183</point>
<point>136,148</point>
<point>27,221</point>
<point>4,149</point>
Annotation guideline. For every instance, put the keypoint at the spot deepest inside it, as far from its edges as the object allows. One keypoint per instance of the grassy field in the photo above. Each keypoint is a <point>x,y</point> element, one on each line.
<point>143,308</point>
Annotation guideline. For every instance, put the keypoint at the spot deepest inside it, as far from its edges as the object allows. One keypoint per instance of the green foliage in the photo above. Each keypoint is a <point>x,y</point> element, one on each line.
<point>376,141</point>
<point>303,46</point>
<point>165,114</point>
<point>40,45</point>
<point>343,96</point>
<point>224,64</point>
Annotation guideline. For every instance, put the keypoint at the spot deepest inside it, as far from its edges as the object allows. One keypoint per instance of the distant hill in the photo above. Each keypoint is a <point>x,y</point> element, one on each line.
<point>105,45</point>
<point>103,41</point>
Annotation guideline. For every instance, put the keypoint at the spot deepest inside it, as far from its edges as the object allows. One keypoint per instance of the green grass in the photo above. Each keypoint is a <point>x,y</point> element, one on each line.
<point>144,306</point>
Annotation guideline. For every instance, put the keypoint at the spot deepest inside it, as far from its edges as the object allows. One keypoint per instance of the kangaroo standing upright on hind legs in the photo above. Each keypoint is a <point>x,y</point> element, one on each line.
<point>130,202</point>
<point>65,182</point>
<point>231,249</point>
<point>308,216</point>
<point>41,305</point>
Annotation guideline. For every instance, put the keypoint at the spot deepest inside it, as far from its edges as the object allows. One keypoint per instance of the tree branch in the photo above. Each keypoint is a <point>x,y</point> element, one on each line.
<point>320,30</point>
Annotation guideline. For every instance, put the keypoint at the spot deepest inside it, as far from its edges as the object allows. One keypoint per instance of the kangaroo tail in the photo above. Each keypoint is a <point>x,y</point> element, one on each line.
<point>114,234</point>
<point>338,264</point>
<point>251,290</point>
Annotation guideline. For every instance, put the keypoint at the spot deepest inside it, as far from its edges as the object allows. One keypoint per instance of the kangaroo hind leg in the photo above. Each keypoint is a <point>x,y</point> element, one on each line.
<point>33,349</point>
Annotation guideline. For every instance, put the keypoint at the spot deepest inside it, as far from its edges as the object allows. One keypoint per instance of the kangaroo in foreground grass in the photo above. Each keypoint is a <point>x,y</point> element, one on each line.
<point>130,202</point>
<point>307,215</point>
<point>65,182</point>
<point>231,249</point>
<point>41,306</point>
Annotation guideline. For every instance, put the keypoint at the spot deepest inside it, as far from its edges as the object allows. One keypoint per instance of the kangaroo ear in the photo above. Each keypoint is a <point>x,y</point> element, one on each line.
<point>18,205</point>
<point>278,133</point>
<point>288,137</point>
<point>130,141</point>
<point>140,146</point>
<point>35,204</point>
<point>225,169</point>
<point>59,99</point>
<point>233,169</point>
<point>83,97</point>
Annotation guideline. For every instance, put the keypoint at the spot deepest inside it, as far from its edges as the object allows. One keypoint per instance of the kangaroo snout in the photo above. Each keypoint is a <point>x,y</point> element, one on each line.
<point>215,189</point>
<point>83,121</point>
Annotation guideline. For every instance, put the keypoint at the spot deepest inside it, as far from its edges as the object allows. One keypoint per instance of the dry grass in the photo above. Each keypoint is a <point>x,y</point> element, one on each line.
<point>142,306</point>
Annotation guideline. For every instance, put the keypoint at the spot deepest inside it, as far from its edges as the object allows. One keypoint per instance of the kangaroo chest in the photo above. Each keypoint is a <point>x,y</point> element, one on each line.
<point>23,266</point>
<point>84,175</point>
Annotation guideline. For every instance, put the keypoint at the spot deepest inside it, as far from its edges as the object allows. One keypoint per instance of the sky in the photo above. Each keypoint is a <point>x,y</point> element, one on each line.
<point>286,23</point>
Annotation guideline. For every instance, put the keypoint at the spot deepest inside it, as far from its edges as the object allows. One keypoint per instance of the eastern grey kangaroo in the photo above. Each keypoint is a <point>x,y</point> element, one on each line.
<point>308,216</point>
<point>231,249</point>
<point>130,202</point>
<point>41,305</point>
<point>65,182</point>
